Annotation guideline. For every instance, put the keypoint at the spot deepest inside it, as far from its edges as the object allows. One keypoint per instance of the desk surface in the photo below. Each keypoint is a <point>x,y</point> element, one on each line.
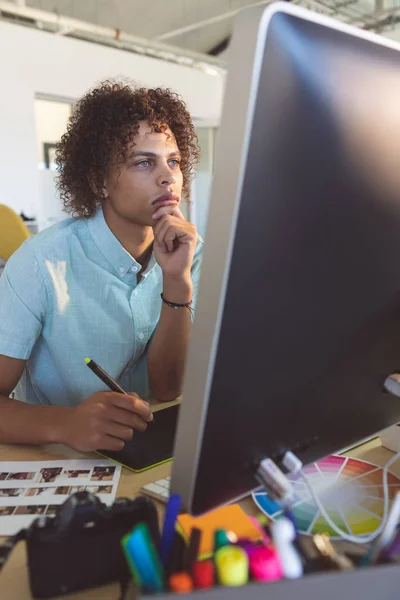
<point>14,579</point>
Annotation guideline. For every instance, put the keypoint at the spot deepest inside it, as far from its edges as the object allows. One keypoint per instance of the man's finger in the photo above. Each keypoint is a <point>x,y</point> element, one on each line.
<point>125,418</point>
<point>164,234</point>
<point>181,229</point>
<point>165,219</point>
<point>171,209</point>
<point>132,403</point>
<point>111,443</point>
<point>122,432</point>
<point>170,235</point>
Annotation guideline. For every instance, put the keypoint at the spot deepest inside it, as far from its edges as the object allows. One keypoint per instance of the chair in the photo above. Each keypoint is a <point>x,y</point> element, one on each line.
<point>13,231</point>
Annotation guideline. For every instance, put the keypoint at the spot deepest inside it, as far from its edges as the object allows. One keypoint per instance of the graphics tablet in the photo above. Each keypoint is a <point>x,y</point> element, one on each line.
<point>152,447</point>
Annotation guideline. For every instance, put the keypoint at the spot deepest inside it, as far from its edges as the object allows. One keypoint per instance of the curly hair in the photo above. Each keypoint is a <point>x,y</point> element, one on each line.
<point>100,130</point>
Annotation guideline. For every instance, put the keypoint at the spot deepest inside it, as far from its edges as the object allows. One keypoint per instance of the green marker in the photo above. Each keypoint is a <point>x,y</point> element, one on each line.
<point>222,538</point>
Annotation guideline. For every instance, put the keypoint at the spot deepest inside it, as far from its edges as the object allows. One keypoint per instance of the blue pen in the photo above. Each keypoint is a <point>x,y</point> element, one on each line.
<point>143,559</point>
<point>168,533</point>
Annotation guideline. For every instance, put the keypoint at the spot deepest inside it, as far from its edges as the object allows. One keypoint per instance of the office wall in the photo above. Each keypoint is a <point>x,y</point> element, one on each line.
<point>35,62</point>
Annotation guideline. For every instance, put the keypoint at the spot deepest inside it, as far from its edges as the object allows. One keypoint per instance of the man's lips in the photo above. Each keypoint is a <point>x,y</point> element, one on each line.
<point>165,200</point>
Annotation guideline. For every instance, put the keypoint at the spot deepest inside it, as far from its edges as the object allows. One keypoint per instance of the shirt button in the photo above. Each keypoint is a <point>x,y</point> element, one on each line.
<point>135,293</point>
<point>134,269</point>
<point>121,269</point>
<point>141,336</point>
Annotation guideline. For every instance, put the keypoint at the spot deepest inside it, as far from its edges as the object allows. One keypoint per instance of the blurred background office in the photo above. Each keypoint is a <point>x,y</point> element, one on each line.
<point>54,50</point>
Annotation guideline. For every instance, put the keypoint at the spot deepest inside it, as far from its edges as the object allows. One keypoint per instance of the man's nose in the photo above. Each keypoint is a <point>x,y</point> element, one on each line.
<point>166,176</point>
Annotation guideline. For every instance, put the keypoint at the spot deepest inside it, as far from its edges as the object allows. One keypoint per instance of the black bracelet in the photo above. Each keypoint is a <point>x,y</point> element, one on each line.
<point>187,305</point>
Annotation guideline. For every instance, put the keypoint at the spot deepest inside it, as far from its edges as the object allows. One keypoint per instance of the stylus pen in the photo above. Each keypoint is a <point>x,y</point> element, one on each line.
<point>105,377</point>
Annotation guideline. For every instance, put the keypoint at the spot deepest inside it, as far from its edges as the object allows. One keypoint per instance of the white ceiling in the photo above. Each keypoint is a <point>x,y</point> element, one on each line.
<point>154,18</point>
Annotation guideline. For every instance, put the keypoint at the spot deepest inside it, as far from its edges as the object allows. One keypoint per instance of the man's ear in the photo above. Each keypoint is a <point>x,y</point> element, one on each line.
<point>99,192</point>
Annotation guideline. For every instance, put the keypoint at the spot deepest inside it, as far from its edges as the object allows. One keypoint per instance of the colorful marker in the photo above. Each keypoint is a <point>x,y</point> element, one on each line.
<point>176,555</point>
<point>232,565</point>
<point>168,533</point>
<point>203,574</point>
<point>284,534</point>
<point>193,548</point>
<point>143,559</point>
<point>265,564</point>
<point>180,583</point>
<point>223,538</point>
<point>259,526</point>
<point>289,515</point>
<point>264,523</point>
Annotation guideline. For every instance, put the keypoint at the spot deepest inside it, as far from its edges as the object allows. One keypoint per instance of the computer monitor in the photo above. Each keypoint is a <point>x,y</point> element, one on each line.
<point>298,314</point>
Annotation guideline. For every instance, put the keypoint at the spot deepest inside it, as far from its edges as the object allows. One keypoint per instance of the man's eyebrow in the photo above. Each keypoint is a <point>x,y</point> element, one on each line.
<point>143,153</point>
<point>152,154</point>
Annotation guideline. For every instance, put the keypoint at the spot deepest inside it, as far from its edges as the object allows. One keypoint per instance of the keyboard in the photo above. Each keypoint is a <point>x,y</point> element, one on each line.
<point>158,489</point>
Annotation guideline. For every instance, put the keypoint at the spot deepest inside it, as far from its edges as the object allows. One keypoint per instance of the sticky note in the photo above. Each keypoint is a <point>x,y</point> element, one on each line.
<point>232,518</point>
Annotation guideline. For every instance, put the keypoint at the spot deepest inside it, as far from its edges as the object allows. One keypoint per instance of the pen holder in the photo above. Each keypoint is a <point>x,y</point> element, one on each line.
<point>370,583</point>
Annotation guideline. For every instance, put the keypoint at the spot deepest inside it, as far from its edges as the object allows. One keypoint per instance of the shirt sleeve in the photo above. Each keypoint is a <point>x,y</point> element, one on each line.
<point>23,303</point>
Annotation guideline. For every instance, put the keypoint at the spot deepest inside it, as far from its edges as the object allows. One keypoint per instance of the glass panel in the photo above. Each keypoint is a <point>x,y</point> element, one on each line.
<point>51,122</point>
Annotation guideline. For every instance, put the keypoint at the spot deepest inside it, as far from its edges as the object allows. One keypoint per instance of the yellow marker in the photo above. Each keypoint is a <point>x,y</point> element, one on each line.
<point>232,565</point>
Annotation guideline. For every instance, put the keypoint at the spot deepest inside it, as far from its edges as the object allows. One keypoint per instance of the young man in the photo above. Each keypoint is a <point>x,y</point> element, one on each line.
<point>117,283</point>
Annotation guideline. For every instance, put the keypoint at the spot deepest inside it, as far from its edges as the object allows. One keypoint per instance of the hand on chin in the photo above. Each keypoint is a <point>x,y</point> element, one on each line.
<point>175,241</point>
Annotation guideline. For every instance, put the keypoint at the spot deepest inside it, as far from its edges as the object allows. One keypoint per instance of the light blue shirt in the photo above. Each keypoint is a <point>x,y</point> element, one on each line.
<point>70,292</point>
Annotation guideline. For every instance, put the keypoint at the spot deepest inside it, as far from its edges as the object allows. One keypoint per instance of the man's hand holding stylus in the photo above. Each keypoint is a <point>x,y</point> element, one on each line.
<point>105,421</point>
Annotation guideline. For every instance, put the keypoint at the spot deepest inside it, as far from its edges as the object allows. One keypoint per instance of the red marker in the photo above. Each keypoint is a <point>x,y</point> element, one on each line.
<point>203,574</point>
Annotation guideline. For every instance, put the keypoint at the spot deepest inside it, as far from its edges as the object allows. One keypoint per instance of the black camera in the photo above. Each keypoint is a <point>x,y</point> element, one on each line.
<point>81,546</point>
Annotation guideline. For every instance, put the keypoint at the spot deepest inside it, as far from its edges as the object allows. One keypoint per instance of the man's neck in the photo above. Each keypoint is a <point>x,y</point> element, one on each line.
<point>136,239</point>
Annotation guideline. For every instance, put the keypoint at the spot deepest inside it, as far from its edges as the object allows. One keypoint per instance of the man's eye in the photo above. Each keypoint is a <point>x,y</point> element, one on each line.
<point>143,163</point>
<point>174,162</point>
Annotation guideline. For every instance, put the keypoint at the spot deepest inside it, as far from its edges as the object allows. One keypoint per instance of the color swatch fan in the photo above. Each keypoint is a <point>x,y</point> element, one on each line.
<point>350,489</point>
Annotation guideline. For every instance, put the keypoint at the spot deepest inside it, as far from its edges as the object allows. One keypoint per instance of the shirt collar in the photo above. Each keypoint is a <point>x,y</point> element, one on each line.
<point>121,261</point>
